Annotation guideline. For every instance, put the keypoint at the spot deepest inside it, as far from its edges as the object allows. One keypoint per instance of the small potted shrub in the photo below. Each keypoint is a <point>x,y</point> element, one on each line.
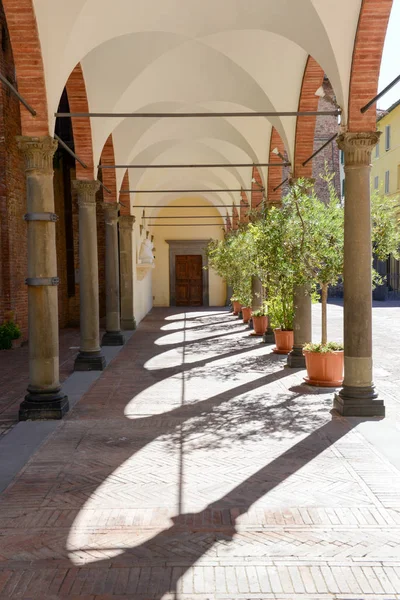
<point>281,313</point>
<point>260,320</point>
<point>10,335</point>
<point>237,307</point>
<point>244,296</point>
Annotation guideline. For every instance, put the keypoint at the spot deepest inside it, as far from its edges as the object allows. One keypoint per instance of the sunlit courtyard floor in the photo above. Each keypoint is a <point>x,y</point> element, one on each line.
<point>199,467</point>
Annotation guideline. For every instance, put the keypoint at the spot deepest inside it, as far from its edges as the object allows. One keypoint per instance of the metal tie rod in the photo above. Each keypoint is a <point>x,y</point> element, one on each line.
<point>320,149</point>
<point>72,153</point>
<point>186,217</point>
<point>181,191</point>
<point>198,166</point>
<point>185,224</point>
<point>18,95</point>
<point>378,96</point>
<point>185,206</point>
<point>206,115</point>
<point>281,183</point>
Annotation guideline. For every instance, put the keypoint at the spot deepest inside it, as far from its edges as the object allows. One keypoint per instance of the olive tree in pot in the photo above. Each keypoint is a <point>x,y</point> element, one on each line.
<point>324,224</point>
<point>324,260</point>
<point>276,240</point>
<point>229,257</point>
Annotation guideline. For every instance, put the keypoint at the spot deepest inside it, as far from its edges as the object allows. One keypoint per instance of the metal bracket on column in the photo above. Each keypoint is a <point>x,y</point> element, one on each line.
<point>46,216</point>
<point>42,281</point>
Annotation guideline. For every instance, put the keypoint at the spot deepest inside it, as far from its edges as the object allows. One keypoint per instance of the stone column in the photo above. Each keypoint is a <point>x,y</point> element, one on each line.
<point>44,399</point>
<point>126,254</point>
<point>113,335</point>
<point>89,357</point>
<point>301,327</point>
<point>358,396</point>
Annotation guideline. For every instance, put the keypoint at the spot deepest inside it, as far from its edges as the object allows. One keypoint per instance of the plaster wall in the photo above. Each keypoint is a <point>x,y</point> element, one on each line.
<point>160,276</point>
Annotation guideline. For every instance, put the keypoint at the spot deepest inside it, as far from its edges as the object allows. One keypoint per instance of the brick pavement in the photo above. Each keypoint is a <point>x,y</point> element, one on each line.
<point>14,375</point>
<point>198,467</point>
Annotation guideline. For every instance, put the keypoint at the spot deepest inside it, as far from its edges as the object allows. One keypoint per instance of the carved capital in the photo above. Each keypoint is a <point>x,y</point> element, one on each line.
<point>357,147</point>
<point>126,221</point>
<point>38,152</point>
<point>86,191</point>
<point>111,212</point>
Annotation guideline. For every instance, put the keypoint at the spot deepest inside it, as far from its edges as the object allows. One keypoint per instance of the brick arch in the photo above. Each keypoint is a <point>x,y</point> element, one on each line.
<point>235,218</point>
<point>275,175</point>
<point>109,175</point>
<point>257,189</point>
<point>27,54</point>
<point>125,198</point>
<point>305,127</point>
<point>367,56</point>
<point>244,207</point>
<point>78,102</point>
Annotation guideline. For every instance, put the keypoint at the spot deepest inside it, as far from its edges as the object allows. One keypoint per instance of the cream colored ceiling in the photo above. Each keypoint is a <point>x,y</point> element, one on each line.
<point>191,55</point>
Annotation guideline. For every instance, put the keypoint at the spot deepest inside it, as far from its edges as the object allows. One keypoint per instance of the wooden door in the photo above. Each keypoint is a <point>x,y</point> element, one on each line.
<point>189,280</point>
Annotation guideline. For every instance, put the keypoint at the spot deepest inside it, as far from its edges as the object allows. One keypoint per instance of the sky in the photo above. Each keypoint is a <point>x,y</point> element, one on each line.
<point>390,67</point>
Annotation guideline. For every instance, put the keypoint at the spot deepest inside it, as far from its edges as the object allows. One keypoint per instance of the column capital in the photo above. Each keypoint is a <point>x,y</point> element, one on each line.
<point>111,212</point>
<point>38,152</point>
<point>126,221</point>
<point>86,190</point>
<point>358,147</point>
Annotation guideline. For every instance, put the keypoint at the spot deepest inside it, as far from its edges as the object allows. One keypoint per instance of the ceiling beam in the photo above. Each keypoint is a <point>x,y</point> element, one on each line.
<point>197,166</point>
<point>206,115</point>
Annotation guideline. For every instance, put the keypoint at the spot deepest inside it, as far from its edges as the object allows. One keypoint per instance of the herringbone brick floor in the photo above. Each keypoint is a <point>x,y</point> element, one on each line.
<point>199,467</point>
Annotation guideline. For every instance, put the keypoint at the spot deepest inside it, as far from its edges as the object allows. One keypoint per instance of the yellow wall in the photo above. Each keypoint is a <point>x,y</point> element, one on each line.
<point>388,160</point>
<point>217,287</point>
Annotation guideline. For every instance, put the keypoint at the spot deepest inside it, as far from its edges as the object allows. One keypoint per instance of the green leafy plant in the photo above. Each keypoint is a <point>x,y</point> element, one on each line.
<point>262,311</point>
<point>231,258</point>
<point>323,348</point>
<point>8,331</point>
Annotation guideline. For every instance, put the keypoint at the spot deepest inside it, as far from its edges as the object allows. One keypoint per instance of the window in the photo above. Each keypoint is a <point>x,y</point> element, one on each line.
<point>377,150</point>
<point>387,137</point>
<point>341,157</point>
<point>343,180</point>
<point>387,182</point>
<point>376,182</point>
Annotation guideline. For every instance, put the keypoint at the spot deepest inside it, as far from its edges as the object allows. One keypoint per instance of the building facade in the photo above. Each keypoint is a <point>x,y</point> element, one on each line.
<point>385,179</point>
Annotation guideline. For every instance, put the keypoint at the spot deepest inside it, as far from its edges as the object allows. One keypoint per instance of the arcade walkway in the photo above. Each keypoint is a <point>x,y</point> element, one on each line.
<point>198,467</point>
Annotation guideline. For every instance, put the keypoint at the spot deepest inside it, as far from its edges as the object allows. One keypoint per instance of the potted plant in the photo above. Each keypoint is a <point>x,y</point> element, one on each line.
<point>237,307</point>
<point>230,258</point>
<point>281,314</point>
<point>260,319</point>
<point>10,335</point>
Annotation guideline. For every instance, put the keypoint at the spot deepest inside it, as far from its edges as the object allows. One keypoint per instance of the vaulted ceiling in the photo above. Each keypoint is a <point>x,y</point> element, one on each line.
<point>191,55</point>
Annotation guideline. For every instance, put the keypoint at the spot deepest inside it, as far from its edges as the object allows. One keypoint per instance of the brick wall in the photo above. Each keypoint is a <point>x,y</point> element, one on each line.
<point>13,229</point>
<point>325,128</point>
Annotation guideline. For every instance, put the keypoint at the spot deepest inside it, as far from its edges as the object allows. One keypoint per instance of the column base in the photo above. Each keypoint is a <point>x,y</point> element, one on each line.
<point>43,406</point>
<point>268,337</point>
<point>90,361</point>
<point>113,338</point>
<point>358,402</point>
<point>295,359</point>
<point>128,324</point>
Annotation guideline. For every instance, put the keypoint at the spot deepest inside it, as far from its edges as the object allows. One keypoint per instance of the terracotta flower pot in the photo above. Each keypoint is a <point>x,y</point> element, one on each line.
<point>324,369</point>
<point>16,343</point>
<point>260,325</point>
<point>246,312</point>
<point>236,307</point>
<point>283,341</point>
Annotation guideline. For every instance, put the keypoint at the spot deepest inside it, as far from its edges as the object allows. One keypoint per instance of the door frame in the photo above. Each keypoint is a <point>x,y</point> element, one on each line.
<point>194,247</point>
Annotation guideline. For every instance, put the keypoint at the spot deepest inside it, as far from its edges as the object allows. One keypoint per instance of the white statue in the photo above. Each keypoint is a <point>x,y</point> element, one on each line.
<point>146,253</point>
